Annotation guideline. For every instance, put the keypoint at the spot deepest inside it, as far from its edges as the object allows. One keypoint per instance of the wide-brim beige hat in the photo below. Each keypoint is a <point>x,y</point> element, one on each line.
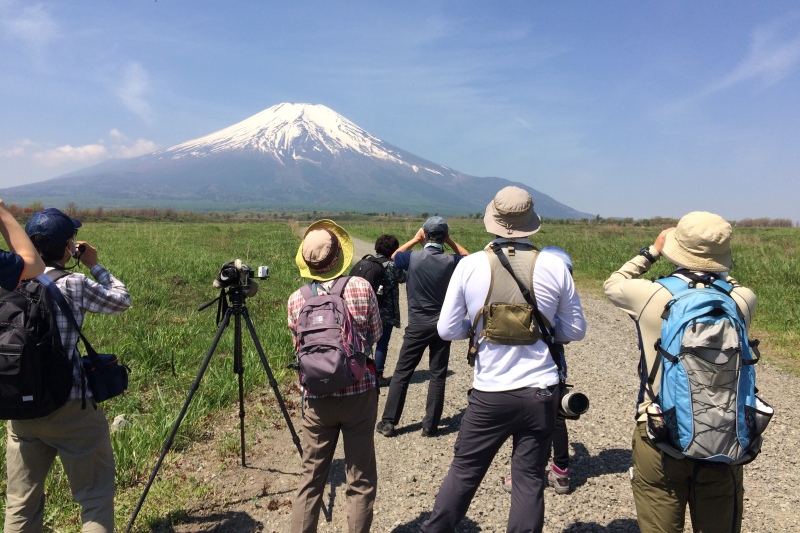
<point>326,251</point>
<point>701,241</point>
<point>510,214</point>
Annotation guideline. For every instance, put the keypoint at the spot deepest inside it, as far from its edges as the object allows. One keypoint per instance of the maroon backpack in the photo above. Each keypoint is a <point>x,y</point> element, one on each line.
<point>330,355</point>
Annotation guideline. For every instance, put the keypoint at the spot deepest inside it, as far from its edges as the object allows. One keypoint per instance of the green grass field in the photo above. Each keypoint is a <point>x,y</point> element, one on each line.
<point>169,267</point>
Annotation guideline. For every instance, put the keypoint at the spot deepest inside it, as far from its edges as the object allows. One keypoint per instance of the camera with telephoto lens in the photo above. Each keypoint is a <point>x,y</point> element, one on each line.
<point>572,404</point>
<point>235,273</point>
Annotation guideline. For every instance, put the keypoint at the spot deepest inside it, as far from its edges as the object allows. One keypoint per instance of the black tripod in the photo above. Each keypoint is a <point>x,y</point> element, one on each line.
<point>236,294</point>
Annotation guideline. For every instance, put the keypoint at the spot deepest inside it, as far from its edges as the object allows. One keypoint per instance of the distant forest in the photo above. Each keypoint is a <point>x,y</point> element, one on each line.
<point>99,214</point>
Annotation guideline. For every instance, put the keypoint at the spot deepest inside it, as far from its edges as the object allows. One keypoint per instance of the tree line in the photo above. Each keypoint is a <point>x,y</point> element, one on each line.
<point>168,214</point>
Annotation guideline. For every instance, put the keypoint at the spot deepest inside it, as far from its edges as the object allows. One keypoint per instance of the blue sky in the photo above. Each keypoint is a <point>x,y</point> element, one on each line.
<point>624,108</point>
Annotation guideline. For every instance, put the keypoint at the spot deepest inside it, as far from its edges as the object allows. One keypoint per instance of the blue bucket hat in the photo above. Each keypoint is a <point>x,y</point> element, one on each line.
<point>52,224</point>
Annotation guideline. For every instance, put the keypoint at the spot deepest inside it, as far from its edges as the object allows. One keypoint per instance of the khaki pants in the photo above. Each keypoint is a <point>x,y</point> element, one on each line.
<point>81,439</point>
<point>324,418</point>
<point>661,491</point>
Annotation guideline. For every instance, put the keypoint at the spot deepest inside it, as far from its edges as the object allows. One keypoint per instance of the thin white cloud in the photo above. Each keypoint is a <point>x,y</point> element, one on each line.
<point>89,153</point>
<point>773,55</point>
<point>771,58</point>
<point>118,146</point>
<point>32,25</point>
<point>135,84</point>
<point>138,148</point>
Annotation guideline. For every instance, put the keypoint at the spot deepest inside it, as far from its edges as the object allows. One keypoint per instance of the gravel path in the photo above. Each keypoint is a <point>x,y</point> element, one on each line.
<point>411,467</point>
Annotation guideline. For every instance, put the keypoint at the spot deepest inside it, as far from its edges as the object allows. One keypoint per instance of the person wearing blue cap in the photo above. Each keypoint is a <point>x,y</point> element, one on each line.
<point>77,432</point>
<point>21,261</point>
<point>429,271</point>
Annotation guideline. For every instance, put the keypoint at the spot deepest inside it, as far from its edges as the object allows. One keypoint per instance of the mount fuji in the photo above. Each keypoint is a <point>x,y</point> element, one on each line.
<point>290,157</point>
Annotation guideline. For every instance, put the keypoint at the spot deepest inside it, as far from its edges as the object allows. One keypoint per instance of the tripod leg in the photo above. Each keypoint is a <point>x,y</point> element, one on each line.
<point>238,367</point>
<point>171,438</point>
<point>274,384</point>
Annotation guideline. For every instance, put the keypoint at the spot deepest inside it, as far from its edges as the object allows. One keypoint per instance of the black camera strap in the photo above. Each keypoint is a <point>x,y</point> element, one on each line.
<point>547,335</point>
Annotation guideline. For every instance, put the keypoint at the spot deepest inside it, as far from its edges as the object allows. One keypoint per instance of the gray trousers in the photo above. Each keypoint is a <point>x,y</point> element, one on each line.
<point>528,416</point>
<point>325,418</point>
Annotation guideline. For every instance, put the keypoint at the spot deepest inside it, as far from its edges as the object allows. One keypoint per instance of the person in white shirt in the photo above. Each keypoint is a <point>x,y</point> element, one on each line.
<point>515,385</point>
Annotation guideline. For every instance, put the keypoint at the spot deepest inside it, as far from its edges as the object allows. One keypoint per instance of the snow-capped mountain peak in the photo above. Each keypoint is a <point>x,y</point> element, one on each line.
<point>289,131</point>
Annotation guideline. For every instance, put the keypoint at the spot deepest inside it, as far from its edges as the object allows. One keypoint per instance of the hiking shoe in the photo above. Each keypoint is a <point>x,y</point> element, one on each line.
<point>386,429</point>
<point>429,432</point>
<point>506,484</point>
<point>559,481</point>
<point>383,381</point>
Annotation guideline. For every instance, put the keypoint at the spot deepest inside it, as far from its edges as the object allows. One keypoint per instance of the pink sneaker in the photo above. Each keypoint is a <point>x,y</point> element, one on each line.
<point>558,479</point>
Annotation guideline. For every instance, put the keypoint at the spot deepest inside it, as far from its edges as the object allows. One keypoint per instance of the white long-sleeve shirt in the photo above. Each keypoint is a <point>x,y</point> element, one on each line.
<point>502,367</point>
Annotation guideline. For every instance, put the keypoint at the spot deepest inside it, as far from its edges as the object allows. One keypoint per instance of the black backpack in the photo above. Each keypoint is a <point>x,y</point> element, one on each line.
<point>371,269</point>
<point>35,370</point>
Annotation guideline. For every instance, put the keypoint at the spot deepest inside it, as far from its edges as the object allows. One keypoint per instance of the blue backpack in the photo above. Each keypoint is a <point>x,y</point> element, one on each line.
<point>706,407</point>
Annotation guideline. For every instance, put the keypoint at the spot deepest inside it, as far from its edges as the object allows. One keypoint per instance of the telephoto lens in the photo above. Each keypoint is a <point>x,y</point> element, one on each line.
<point>572,404</point>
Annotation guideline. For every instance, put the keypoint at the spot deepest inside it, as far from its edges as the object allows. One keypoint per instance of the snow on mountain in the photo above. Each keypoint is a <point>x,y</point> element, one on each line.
<point>296,131</point>
<point>292,157</point>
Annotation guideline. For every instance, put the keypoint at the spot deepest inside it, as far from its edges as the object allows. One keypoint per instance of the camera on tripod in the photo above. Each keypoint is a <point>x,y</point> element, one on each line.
<point>235,273</point>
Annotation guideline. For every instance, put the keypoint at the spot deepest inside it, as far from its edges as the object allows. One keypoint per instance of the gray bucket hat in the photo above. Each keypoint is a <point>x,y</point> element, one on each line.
<point>510,214</point>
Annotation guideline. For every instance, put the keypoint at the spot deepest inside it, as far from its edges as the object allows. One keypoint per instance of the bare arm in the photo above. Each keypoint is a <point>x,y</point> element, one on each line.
<point>460,250</point>
<point>418,238</point>
<point>20,244</point>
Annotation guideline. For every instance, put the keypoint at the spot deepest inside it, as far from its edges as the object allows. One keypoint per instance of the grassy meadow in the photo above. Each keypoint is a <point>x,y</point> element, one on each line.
<point>765,259</point>
<point>169,267</point>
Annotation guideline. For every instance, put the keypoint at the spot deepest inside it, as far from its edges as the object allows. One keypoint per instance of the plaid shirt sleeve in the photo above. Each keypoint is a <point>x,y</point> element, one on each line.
<point>363,306</point>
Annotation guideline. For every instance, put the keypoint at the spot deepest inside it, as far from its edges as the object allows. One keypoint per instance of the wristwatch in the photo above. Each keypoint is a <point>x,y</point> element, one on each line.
<point>645,252</point>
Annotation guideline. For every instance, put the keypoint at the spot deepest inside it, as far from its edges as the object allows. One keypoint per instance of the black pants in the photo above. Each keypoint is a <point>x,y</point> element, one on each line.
<point>561,444</point>
<point>528,416</point>
<point>416,339</point>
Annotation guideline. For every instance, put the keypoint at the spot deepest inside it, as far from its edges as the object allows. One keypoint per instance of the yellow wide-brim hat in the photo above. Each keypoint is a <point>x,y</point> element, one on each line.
<point>326,251</point>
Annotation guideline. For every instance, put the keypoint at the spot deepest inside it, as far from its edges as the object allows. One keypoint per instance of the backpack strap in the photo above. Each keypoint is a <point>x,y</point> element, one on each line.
<point>339,285</point>
<point>55,293</point>
<point>547,334</point>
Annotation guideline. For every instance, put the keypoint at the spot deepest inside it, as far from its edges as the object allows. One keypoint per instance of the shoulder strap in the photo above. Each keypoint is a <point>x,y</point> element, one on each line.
<point>339,285</point>
<point>59,299</point>
<point>47,280</point>
<point>307,291</point>
<point>673,284</point>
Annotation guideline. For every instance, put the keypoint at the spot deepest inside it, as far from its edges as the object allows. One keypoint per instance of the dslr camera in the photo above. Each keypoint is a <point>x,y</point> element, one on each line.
<point>235,273</point>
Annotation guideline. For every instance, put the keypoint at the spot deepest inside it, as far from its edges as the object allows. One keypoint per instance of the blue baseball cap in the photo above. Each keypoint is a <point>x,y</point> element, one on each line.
<point>564,256</point>
<point>52,224</point>
<point>436,226</point>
